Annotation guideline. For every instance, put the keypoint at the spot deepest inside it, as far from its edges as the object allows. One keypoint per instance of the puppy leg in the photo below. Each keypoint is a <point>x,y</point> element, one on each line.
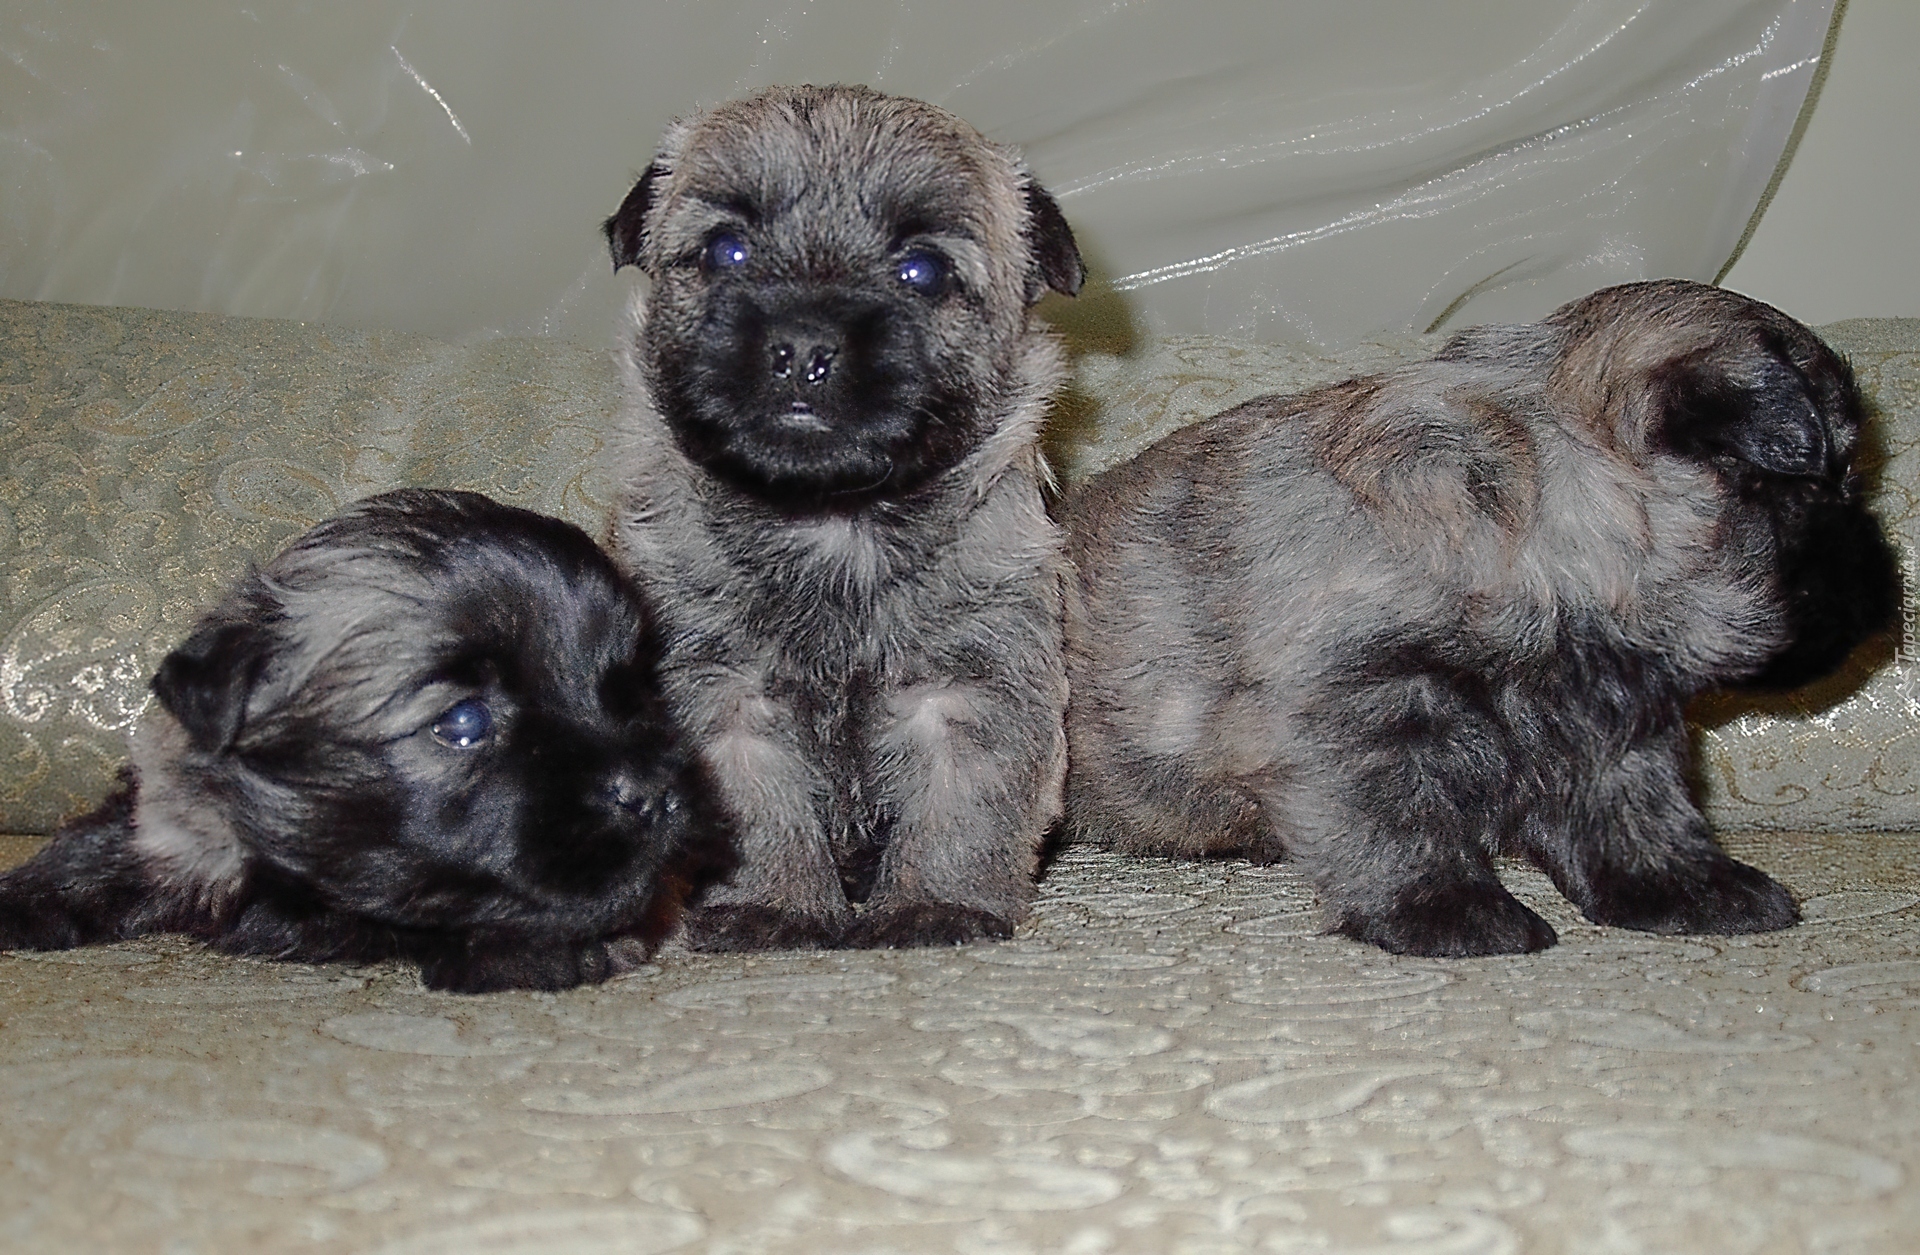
<point>480,962</point>
<point>279,917</point>
<point>88,885</point>
<point>970,778</point>
<point>1626,844</point>
<point>1124,796</point>
<point>784,892</point>
<point>1401,843</point>
<point>287,920</point>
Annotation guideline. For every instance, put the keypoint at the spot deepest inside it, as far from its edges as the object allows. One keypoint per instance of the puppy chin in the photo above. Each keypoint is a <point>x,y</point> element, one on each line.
<point>817,459</point>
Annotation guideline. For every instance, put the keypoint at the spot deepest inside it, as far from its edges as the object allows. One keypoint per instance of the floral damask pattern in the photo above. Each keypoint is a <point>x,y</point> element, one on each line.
<point>1167,1060</point>
<point>147,457</point>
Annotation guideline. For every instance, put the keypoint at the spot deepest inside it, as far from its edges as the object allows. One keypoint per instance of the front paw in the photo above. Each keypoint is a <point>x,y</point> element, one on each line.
<point>911,924</point>
<point>29,926</point>
<point>1718,896</point>
<point>729,928</point>
<point>479,967</point>
<point>1454,920</point>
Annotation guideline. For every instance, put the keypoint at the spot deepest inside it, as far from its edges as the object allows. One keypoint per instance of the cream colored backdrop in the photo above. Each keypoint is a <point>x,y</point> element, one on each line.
<point>1274,168</point>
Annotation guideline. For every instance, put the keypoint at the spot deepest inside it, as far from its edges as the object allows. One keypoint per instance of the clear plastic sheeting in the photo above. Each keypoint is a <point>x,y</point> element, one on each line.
<point>1281,169</point>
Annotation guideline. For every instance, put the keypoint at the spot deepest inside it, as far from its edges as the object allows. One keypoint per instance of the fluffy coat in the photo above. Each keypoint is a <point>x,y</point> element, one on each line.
<point>1395,627</point>
<point>830,484</point>
<point>428,730</point>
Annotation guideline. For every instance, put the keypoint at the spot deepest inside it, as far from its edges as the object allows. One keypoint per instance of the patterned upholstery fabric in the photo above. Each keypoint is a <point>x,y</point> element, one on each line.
<point>1165,1061</point>
<point>147,457</point>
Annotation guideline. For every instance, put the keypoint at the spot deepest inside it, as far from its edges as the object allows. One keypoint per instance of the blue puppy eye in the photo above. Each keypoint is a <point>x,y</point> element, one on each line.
<point>463,726</point>
<point>725,251</point>
<point>923,272</point>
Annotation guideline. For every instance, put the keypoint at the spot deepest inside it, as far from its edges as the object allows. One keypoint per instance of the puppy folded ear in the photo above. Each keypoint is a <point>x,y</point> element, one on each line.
<point>1056,258</point>
<point>626,230</point>
<point>1770,421</point>
<point>206,681</point>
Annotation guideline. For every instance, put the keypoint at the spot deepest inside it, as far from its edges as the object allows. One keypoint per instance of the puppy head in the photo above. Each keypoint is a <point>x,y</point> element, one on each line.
<point>1675,369</point>
<point>438,711</point>
<point>840,282</point>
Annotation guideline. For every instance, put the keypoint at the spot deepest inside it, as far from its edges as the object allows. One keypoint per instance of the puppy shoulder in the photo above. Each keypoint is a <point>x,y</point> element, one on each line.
<point>1013,445</point>
<point>1007,540</point>
<point>1440,451</point>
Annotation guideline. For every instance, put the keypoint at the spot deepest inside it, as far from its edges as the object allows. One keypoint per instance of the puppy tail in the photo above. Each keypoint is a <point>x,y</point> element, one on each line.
<point>86,885</point>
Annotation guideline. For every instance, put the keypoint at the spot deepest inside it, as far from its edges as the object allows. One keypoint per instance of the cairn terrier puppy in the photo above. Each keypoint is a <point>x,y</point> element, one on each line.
<point>1395,627</point>
<point>429,730</point>
<point>830,485</point>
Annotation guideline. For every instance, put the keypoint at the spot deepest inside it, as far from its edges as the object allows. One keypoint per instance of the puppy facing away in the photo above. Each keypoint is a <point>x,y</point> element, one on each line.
<point>430,730</point>
<point>1400,625</point>
<point>829,484</point>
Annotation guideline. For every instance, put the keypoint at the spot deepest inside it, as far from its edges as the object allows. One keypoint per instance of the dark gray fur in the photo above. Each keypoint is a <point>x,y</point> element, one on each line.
<point>1400,625</point>
<point>859,583</point>
<point>297,790</point>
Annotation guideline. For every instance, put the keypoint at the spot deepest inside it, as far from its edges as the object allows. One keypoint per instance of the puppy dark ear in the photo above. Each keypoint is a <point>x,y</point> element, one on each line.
<point>1772,424</point>
<point>205,682</point>
<point>626,231</point>
<point>1056,258</point>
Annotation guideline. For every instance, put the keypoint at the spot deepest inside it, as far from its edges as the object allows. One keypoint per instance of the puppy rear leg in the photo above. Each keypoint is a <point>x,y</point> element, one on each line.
<point>970,776</point>
<point>1402,849</point>
<point>88,885</point>
<point>1627,845</point>
<point>1411,883</point>
<point>1123,796</point>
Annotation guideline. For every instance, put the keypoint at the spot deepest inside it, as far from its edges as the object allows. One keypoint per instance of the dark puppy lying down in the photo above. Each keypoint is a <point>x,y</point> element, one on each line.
<point>1400,625</point>
<point>429,730</point>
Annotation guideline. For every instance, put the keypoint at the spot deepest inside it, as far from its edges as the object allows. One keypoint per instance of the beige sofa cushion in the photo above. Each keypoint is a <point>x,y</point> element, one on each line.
<point>148,457</point>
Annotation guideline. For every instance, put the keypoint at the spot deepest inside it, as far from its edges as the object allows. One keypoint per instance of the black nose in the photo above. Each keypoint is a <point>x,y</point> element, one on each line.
<point>628,792</point>
<point>813,361</point>
<point>624,790</point>
<point>803,342</point>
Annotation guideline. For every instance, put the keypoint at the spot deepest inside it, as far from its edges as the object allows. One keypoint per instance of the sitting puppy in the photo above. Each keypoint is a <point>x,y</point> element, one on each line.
<point>1400,625</point>
<point>830,484</point>
<point>430,729</point>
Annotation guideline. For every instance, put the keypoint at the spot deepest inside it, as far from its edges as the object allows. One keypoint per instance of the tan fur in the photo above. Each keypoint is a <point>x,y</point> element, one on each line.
<point>1398,625</point>
<point>872,665</point>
